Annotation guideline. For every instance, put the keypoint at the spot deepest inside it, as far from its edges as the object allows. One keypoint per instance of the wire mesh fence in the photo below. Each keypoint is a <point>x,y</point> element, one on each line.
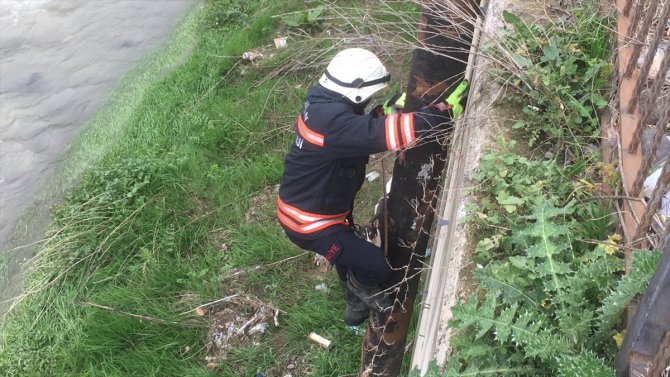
<point>647,42</point>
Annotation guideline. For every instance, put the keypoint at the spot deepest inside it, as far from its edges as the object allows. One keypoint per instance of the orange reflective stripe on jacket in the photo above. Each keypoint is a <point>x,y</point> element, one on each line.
<point>407,127</point>
<point>304,222</point>
<point>392,141</point>
<point>309,135</point>
<point>403,137</point>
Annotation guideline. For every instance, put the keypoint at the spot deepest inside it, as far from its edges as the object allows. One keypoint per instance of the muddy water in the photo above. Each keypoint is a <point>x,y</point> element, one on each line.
<point>59,59</point>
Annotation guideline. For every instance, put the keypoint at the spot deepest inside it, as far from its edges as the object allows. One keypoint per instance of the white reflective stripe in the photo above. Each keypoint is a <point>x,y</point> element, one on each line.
<point>407,128</point>
<point>391,133</point>
<point>307,228</point>
<point>308,134</point>
<point>318,224</point>
<point>298,215</point>
<point>307,218</point>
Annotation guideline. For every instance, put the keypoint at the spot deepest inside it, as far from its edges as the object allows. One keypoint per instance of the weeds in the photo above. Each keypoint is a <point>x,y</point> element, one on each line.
<point>550,271</point>
<point>558,75</point>
<point>305,19</point>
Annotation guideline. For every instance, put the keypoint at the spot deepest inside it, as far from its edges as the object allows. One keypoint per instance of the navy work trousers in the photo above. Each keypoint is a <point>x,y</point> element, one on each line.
<point>349,252</point>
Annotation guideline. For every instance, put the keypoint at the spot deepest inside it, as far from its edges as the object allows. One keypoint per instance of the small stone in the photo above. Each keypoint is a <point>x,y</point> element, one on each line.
<point>212,366</point>
<point>290,366</point>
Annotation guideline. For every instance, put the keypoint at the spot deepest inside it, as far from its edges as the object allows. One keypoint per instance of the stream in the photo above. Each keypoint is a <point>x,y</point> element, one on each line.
<point>59,61</point>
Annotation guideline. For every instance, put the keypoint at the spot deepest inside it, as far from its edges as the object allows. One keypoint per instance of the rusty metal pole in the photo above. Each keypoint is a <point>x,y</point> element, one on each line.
<point>438,65</point>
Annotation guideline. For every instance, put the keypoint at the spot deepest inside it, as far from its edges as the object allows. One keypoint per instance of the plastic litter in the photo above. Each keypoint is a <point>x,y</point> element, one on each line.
<point>371,176</point>
<point>356,330</point>
<point>258,328</point>
<point>280,42</point>
<point>321,287</point>
<point>649,186</point>
<point>250,56</point>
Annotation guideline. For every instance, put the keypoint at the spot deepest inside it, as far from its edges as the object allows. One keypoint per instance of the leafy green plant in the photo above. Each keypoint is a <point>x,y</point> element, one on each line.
<point>539,311</point>
<point>310,19</point>
<point>225,13</point>
<point>542,280</point>
<point>551,277</point>
<point>551,284</point>
<point>557,74</point>
<point>509,187</point>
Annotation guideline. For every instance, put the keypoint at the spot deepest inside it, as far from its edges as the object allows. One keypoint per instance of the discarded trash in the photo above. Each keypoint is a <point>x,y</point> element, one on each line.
<point>200,311</point>
<point>427,253</point>
<point>651,181</point>
<point>322,287</point>
<point>241,322</point>
<point>650,184</point>
<point>318,339</point>
<point>371,176</point>
<point>280,42</point>
<point>356,330</point>
<point>321,263</point>
<point>258,328</point>
<point>250,56</point>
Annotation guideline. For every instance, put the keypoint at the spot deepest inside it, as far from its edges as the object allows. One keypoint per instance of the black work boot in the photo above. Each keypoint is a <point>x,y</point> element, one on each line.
<point>356,311</point>
<point>373,296</point>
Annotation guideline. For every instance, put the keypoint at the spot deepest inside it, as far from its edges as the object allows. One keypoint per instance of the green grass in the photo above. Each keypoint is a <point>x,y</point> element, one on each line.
<point>165,178</point>
<point>172,195</point>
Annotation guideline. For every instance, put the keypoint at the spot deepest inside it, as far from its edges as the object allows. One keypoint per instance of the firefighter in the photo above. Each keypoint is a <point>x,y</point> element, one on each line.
<point>325,168</point>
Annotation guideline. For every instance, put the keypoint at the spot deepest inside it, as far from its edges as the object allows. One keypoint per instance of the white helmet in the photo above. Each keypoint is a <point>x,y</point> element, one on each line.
<point>355,73</point>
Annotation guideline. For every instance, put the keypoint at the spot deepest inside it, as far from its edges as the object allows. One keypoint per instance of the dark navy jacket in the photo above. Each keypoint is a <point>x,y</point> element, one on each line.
<point>325,166</point>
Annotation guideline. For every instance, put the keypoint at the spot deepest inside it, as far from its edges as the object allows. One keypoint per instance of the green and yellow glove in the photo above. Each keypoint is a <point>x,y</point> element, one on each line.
<point>455,97</point>
<point>396,103</point>
<point>453,101</point>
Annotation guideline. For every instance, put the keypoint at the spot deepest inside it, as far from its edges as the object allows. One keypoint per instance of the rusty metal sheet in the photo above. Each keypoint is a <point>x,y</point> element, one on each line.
<point>649,324</point>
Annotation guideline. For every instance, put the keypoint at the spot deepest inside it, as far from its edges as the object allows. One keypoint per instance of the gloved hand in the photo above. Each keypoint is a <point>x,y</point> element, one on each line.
<point>454,99</point>
<point>453,102</point>
<point>397,102</point>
